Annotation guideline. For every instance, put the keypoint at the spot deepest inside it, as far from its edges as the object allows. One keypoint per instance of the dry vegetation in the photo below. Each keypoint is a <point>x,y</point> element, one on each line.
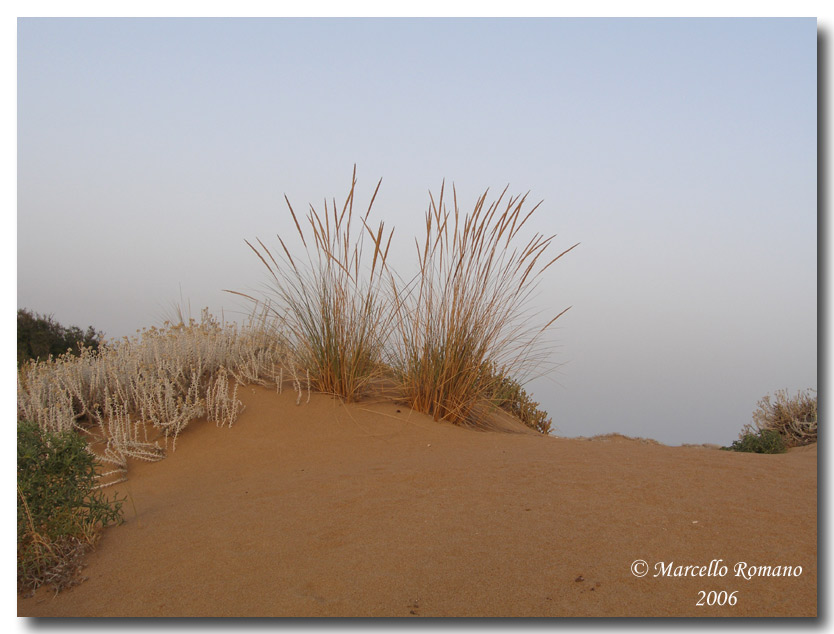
<point>126,399</point>
<point>132,398</point>
<point>330,302</point>
<point>794,418</point>
<point>453,339</point>
<point>461,324</point>
<point>448,337</point>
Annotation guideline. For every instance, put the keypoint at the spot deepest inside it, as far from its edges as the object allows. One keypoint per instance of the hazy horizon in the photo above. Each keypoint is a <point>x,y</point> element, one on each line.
<point>680,153</point>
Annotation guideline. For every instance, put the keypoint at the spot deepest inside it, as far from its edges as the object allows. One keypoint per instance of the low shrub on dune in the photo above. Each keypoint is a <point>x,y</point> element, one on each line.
<point>794,418</point>
<point>779,424</point>
<point>59,511</point>
<point>126,395</point>
<point>455,337</point>
<point>763,441</point>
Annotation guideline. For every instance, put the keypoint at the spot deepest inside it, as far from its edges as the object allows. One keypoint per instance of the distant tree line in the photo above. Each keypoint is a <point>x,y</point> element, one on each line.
<point>39,336</point>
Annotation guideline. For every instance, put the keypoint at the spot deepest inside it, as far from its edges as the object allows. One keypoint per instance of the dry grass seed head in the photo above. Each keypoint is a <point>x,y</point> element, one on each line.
<point>331,303</point>
<point>463,312</point>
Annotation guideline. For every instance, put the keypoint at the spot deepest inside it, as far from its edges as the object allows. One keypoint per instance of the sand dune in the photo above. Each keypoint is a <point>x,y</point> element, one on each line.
<point>323,509</point>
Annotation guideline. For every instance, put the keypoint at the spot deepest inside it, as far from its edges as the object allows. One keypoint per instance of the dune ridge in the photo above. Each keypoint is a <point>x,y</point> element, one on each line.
<point>370,509</point>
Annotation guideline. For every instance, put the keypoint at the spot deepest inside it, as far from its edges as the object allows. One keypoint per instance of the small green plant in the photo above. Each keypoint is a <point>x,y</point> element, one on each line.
<point>765,441</point>
<point>39,337</point>
<point>509,395</point>
<point>60,513</point>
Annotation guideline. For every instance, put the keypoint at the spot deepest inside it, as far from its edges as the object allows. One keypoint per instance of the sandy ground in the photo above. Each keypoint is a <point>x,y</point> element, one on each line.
<point>323,509</point>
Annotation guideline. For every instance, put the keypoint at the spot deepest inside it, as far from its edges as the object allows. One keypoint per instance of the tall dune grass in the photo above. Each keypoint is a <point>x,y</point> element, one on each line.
<point>464,322</point>
<point>451,335</point>
<point>331,302</point>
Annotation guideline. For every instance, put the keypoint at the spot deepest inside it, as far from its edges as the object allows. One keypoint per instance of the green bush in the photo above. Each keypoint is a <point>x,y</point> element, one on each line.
<point>765,441</point>
<point>59,511</point>
<point>39,336</point>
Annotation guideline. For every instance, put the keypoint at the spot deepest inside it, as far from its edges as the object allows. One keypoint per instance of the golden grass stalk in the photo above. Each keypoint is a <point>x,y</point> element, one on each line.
<point>331,303</point>
<point>465,313</point>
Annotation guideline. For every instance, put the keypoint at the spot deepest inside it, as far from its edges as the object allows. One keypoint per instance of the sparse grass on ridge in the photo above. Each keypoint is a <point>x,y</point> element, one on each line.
<point>451,336</point>
<point>454,337</point>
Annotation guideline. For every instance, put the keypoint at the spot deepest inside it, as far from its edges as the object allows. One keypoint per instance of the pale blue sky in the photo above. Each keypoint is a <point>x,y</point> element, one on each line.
<point>681,153</point>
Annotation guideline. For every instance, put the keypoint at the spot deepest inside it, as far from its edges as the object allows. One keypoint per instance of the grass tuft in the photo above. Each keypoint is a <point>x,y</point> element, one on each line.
<point>461,322</point>
<point>331,302</point>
